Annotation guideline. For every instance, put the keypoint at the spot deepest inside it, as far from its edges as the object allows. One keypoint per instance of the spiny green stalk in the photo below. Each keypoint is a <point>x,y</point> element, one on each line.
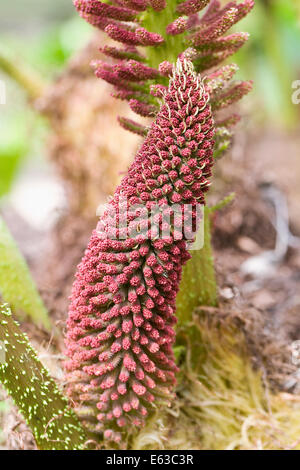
<point>16,284</point>
<point>198,285</point>
<point>45,409</point>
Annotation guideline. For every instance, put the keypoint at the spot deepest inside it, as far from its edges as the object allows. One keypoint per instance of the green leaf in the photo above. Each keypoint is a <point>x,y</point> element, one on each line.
<point>16,284</point>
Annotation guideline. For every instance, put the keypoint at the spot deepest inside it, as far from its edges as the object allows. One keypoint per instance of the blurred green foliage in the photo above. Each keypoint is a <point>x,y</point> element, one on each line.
<point>16,284</point>
<point>44,35</point>
<point>22,134</point>
<point>13,148</point>
<point>272,59</point>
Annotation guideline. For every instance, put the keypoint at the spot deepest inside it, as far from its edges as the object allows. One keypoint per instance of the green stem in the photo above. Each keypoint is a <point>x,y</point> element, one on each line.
<point>23,75</point>
<point>198,285</point>
<point>45,409</point>
<point>158,21</point>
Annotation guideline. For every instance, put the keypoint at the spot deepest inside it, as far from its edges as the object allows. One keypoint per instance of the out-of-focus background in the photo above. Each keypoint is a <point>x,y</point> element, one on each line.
<point>44,35</point>
<point>42,174</point>
<point>40,37</point>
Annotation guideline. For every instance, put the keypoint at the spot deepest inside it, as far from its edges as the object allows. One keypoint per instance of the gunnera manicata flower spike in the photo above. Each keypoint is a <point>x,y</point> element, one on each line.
<point>150,35</point>
<point>120,327</point>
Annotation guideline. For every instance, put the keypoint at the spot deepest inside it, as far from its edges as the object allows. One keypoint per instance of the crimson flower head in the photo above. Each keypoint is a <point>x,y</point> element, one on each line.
<point>121,320</point>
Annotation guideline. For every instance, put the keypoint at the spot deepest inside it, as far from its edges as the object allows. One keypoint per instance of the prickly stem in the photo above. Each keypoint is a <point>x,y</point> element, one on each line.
<point>45,409</point>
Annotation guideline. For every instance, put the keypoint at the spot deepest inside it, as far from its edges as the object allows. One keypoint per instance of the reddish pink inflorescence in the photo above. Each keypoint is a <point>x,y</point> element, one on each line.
<point>200,24</point>
<point>122,314</point>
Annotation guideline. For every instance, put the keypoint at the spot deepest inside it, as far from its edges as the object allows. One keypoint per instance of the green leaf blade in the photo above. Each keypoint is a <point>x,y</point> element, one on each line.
<point>16,284</point>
